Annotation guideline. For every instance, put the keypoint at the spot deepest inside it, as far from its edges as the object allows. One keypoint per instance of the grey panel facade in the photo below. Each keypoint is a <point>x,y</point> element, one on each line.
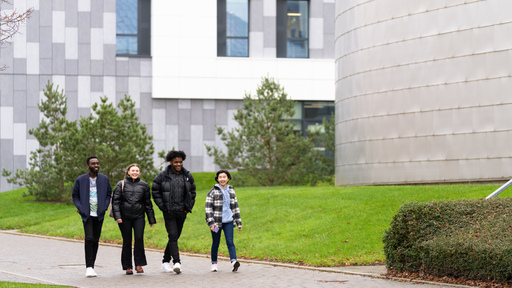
<point>70,55</point>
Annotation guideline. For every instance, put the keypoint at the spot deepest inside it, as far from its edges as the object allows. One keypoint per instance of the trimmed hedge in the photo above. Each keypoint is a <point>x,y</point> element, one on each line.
<point>469,239</point>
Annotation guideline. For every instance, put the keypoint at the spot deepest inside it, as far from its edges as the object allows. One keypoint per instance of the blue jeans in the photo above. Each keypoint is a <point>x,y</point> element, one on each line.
<point>228,234</point>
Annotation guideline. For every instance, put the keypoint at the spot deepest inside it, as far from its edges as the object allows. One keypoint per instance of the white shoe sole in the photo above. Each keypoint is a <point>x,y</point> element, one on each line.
<point>235,266</point>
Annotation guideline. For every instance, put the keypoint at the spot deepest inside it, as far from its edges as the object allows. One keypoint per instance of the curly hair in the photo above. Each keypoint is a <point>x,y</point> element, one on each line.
<point>174,154</point>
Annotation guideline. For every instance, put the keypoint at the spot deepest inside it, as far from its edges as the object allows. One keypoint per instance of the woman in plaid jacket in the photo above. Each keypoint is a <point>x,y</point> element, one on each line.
<point>222,213</point>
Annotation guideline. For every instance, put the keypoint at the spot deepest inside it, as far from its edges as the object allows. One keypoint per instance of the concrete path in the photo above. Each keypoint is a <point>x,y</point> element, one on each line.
<point>58,261</point>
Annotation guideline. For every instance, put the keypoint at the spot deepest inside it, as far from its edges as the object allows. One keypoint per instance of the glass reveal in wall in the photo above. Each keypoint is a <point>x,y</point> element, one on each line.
<point>126,27</point>
<point>297,117</point>
<point>237,28</point>
<point>297,29</point>
<point>314,114</point>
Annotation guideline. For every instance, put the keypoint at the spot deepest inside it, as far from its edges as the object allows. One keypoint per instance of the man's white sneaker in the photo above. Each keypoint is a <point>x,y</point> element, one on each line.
<point>89,272</point>
<point>166,267</point>
<point>214,268</point>
<point>177,268</point>
<point>235,264</point>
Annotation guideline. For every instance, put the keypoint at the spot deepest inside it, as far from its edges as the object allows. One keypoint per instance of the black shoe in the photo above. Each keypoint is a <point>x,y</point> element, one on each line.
<point>235,265</point>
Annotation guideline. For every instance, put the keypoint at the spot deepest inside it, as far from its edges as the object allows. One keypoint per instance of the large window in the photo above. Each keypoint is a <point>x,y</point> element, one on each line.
<point>309,115</point>
<point>292,29</point>
<point>233,28</point>
<point>133,36</point>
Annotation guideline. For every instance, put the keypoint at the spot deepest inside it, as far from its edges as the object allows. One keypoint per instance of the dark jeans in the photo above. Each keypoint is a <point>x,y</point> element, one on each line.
<point>228,234</point>
<point>138,248</point>
<point>92,231</point>
<point>173,224</point>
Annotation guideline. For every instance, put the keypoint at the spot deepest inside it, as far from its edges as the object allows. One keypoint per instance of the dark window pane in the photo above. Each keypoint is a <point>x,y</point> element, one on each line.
<point>237,18</point>
<point>233,28</point>
<point>317,111</point>
<point>126,45</point>
<point>297,31</point>
<point>297,48</point>
<point>126,17</point>
<point>237,47</point>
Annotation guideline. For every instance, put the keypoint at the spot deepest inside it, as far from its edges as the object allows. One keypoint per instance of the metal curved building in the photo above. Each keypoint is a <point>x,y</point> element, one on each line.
<point>423,91</point>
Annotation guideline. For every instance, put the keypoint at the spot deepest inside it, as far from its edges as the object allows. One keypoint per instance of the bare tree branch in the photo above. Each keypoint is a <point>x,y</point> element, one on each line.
<point>10,23</point>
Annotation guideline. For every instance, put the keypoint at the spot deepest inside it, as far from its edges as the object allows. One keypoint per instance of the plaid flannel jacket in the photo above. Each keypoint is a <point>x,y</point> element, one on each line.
<point>213,207</point>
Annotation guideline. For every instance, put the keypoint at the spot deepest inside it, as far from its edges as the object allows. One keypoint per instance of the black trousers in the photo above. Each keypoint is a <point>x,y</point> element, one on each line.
<point>173,224</point>
<point>139,256</point>
<point>92,231</point>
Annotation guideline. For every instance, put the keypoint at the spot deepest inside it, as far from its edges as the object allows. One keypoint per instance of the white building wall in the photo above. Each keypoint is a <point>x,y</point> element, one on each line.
<point>186,66</point>
<point>423,91</point>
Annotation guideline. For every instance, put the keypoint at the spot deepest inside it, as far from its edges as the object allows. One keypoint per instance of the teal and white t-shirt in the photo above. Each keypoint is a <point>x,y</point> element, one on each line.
<point>93,197</point>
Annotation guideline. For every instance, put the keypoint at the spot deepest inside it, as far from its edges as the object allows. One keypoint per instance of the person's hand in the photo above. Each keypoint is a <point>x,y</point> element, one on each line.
<point>119,221</point>
<point>213,228</point>
<point>151,225</point>
<point>240,229</point>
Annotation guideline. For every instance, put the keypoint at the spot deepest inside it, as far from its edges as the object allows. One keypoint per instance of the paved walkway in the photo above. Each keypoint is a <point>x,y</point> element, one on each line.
<point>58,261</point>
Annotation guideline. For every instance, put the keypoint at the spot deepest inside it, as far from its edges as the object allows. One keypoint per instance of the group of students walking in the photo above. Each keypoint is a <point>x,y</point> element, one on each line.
<point>173,191</point>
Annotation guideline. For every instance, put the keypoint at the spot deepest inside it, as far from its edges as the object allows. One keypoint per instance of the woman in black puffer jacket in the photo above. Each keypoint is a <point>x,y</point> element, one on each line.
<point>131,202</point>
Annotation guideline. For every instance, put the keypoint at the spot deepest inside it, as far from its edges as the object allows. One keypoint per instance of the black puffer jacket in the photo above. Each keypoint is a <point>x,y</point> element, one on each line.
<point>168,200</point>
<point>134,201</point>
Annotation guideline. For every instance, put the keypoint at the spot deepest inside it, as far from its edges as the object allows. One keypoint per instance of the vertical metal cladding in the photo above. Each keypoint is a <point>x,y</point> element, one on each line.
<point>423,91</point>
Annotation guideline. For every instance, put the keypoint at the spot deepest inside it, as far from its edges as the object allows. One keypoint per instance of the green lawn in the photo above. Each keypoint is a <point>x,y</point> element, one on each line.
<point>321,226</point>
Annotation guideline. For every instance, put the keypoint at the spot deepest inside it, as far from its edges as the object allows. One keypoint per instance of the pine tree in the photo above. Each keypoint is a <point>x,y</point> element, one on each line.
<point>265,148</point>
<point>114,135</point>
<point>330,127</point>
<point>48,164</point>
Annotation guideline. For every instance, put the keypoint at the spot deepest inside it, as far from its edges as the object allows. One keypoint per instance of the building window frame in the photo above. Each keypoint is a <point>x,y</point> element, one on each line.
<point>223,39</point>
<point>143,34</point>
<point>284,35</point>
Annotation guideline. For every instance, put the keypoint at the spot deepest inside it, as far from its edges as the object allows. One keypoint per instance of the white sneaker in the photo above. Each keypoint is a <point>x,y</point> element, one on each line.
<point>89,272</point>
<point>177,268</point>
<point>214,268</point>
<point>235,264</point>
<point>166,267</point>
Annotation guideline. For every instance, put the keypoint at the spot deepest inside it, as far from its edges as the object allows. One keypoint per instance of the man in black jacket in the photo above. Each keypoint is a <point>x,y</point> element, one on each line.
<point>174,192</point>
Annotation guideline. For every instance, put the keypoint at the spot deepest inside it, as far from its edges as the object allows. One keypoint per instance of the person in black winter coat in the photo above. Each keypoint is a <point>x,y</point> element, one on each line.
<point>131,202</point>
<point>174,192</point>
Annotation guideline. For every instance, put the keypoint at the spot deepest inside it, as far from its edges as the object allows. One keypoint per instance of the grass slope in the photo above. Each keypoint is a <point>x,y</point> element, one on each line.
<point>321,226</point>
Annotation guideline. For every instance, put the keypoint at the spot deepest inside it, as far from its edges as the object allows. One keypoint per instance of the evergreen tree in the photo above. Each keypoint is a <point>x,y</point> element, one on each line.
<point>115,136</point>
<point>265,148</point>
<point>325,166</point>
<point>48,164</point>
<point>330,127</point>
